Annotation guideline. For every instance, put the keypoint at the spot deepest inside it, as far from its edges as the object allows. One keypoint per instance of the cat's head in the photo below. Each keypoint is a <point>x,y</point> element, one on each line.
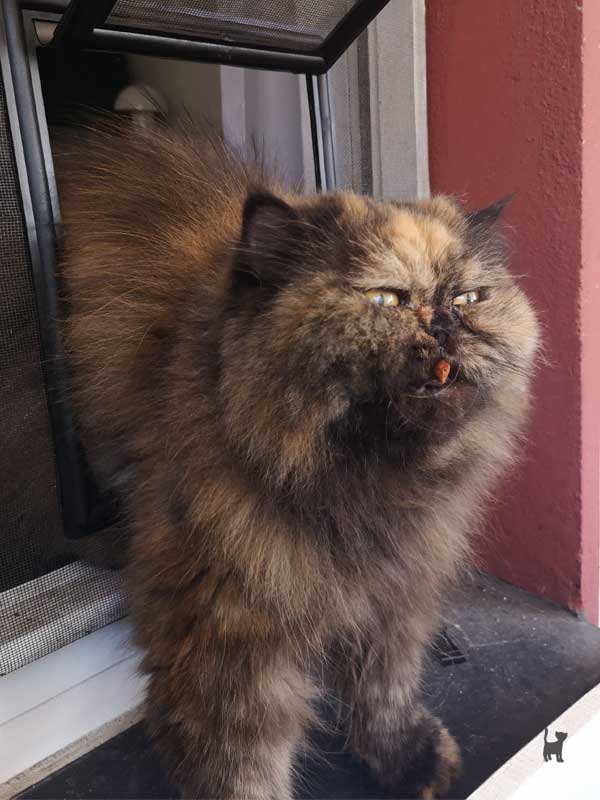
<point>340,308</point>
<point>560,737</point>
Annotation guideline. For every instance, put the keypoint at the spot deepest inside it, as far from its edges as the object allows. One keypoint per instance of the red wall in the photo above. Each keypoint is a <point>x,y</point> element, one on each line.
<point>590,304</point>
<point>505,115</point>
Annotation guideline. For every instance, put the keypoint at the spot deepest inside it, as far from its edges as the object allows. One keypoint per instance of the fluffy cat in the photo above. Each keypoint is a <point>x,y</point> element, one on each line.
<point>253,373</point>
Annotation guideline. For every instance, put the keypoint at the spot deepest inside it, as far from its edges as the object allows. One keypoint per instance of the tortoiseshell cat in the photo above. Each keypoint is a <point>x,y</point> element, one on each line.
<point>254,374</point>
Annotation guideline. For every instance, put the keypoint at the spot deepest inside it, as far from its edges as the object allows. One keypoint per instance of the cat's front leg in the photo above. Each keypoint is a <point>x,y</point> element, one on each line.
<point>388,728</point>
<point>227,714</point>
<point>232,739</point>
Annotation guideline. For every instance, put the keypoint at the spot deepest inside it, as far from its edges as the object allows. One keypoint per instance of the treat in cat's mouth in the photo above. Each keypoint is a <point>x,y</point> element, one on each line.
<point>441,370</point>
<point>443,375</point>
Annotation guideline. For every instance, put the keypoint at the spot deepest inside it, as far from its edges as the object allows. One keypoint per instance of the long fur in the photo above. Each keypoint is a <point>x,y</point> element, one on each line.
<point>297,503</point>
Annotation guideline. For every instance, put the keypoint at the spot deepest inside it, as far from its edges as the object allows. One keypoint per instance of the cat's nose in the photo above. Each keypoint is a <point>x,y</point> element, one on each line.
<point>440,333</point>
<point>440,328</point>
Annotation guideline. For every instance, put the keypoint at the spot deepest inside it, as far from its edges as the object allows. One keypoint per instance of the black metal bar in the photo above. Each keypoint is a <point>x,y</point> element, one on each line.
<point>342,36</point>
<point>79,20</point>
<point>42,245</point>
<point>314,132</point>
<point>55,6</point>
<point>217,36</point>
<point>109,40</point>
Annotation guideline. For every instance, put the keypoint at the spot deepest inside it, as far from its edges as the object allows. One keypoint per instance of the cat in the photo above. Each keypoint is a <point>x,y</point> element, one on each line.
<point>253,374</point>
<point>554,748</point>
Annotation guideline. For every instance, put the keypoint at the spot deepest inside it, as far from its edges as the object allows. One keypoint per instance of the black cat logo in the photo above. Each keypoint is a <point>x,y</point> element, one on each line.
<point>554,748</point>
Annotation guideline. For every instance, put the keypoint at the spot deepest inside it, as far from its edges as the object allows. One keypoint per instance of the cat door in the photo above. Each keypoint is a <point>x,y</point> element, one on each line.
<point>355,133</point>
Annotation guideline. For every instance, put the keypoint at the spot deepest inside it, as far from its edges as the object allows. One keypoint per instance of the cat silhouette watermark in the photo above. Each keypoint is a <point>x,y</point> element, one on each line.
<point>554,748</point>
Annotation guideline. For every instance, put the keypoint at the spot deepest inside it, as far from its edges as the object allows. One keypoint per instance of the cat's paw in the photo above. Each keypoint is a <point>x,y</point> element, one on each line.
<point>433,761</point>
<point>445,767</point>
<point>421,763</point>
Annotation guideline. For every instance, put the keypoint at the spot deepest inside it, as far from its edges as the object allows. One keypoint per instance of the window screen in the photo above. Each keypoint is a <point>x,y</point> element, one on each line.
<point>294,24</point>
<point>47,598</point>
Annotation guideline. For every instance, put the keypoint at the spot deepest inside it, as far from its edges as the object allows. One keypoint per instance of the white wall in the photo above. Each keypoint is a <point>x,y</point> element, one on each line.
<point>263,109</point>
<point>188,87</point>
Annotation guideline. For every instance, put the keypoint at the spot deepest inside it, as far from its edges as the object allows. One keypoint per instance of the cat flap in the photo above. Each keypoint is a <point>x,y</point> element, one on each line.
<point>301,36</point>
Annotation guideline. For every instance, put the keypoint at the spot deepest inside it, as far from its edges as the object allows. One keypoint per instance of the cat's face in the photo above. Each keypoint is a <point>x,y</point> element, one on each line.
<point>341,309</point>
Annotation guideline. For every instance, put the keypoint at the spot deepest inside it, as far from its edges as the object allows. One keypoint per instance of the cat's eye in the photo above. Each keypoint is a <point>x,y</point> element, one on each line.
<point>382,297</point>
<point>466,298</point>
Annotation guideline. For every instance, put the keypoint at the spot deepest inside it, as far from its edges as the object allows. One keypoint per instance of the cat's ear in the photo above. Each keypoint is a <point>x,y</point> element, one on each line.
<point>269,229</point>
<point>482,235</point>
<point>488,216</point>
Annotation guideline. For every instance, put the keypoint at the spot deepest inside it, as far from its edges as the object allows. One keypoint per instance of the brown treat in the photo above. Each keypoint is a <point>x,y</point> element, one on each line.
<point>441,370</point>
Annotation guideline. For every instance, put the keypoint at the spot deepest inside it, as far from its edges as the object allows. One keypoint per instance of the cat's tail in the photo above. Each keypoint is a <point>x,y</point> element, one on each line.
<point>545,734</point>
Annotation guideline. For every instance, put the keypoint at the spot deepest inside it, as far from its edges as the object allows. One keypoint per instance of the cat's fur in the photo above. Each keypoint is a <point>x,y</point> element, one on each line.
<point>297,503</point>
<point>554,748</point>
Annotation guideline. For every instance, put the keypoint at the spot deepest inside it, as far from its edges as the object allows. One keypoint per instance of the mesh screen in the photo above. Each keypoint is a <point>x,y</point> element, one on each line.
<point>350,98</point>
<point>296,24</point>
<point>376,94</point>
<point>37,567</point>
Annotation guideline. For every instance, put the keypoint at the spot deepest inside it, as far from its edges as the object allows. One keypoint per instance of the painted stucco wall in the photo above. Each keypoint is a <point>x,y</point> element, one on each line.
<point>590,304</point>
<point>505,92</point>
